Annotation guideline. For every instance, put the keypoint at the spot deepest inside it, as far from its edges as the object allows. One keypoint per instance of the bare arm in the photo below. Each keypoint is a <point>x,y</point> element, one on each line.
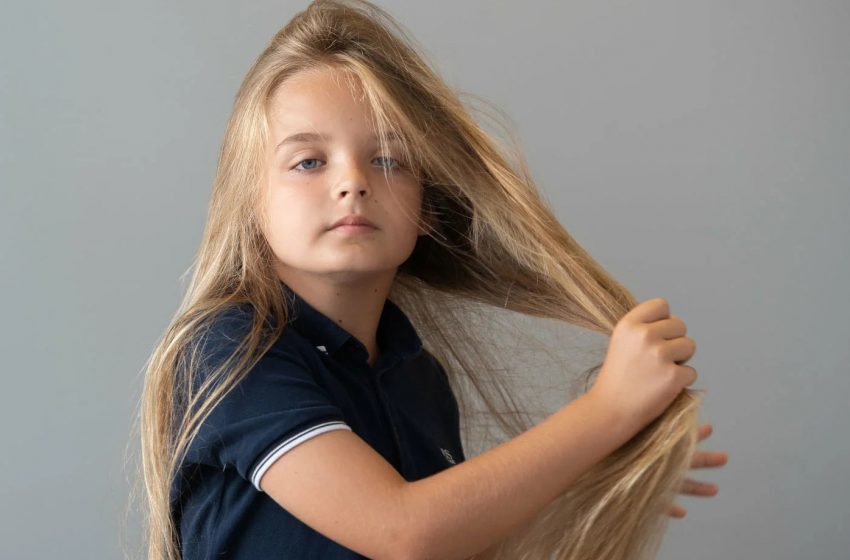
<point>488,554</point>
<point>476,504</point>
<point>341,487</point>
<point>338,485</point>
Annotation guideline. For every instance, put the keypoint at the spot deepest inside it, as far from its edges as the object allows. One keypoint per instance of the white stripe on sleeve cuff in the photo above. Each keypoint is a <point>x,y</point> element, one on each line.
<point>285,446</point>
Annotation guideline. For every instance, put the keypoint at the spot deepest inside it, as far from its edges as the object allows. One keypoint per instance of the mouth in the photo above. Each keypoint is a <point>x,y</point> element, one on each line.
<point>353,220</point>
<point>354,228</point>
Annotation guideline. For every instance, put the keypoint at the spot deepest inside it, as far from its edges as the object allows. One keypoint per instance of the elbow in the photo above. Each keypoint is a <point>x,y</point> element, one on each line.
<point>412,540</point>
<point>420,547</point>
<point>412,543</point>
<point>412,548</point>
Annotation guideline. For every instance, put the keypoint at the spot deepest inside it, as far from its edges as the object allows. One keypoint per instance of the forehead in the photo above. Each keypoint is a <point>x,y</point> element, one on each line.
<point>316,97</point>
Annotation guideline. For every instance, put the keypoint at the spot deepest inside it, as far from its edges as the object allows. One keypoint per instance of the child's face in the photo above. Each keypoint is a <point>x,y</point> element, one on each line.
<point>314,183</point>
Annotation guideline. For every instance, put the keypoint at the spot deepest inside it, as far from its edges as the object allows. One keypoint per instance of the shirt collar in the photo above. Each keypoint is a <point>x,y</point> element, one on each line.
<point>396,336</point>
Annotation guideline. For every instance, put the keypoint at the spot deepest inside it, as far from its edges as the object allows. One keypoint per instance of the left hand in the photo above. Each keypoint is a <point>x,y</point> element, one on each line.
<point>701,459</point>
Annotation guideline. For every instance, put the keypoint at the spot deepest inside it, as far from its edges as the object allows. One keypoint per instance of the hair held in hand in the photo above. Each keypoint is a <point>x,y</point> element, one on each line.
<point>495,244</point>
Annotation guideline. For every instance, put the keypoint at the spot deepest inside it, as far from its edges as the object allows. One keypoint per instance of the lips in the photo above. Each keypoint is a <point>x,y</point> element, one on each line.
<point>353,220</point>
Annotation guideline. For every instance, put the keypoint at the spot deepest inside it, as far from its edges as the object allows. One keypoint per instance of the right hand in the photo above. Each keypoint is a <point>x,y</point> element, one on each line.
<point>643,371</point>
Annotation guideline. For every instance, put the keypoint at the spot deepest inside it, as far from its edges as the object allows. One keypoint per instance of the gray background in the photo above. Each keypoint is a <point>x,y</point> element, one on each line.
<point>699,150</point>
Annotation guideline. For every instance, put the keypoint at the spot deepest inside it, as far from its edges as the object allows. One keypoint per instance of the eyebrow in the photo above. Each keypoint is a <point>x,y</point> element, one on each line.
<point>302,137</point>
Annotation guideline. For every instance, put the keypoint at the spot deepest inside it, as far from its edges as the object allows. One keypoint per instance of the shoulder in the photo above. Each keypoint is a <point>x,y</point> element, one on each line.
<point>278,378</point>
<point>227,325</point>
<point>223,338</point>
<point>225,330</point>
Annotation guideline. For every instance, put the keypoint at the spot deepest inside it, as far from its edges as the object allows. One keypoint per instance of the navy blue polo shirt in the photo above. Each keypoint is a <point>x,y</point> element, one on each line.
<point>314,379</point>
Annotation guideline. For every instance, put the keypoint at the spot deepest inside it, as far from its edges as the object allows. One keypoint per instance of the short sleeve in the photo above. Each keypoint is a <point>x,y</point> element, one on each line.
<point>275,407</point>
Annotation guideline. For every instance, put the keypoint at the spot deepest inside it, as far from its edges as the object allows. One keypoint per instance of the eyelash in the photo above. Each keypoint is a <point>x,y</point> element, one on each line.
<point>397,166</point>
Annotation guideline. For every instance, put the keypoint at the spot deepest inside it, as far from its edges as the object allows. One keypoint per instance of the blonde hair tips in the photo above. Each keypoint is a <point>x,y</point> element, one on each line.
<point>494,244</point>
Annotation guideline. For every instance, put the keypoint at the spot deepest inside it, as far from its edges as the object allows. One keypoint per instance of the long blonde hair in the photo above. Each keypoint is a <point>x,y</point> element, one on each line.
<point>495,245</point>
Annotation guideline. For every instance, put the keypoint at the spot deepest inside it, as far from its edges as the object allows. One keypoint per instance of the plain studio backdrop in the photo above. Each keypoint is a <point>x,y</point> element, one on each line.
<point>699,150</point>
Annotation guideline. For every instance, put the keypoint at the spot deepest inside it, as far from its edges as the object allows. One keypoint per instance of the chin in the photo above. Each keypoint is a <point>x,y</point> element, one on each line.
<point>352,275</point>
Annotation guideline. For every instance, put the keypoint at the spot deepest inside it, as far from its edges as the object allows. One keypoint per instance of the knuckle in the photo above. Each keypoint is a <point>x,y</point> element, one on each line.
<point>681,324</point>
<point>619,325</point>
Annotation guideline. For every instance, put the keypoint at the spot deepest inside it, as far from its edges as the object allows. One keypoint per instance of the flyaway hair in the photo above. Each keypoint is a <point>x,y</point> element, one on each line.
<point>494,244</point>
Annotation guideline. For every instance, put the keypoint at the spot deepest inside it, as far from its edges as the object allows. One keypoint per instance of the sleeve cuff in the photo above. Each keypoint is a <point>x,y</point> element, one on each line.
<point>284,446</point>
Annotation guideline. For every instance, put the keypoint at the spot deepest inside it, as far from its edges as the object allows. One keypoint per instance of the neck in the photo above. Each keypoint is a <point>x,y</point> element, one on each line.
<point>355,305</point>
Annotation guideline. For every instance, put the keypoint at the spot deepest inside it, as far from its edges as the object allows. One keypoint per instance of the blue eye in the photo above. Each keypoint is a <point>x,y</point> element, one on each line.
<point>395,164</point>
<point>302,161</point>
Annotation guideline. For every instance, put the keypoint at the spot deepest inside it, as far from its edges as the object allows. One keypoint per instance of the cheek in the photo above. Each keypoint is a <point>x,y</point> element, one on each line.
<point>407,214</point>
<point>292,204</point>
<point>286,216</point>
<point>406,197</point>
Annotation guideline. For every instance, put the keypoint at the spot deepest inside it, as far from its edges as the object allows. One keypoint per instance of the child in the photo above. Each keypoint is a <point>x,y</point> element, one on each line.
<point>301,405</point>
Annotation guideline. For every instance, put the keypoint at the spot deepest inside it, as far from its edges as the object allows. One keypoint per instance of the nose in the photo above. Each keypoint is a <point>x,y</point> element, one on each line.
<point>352,181</point>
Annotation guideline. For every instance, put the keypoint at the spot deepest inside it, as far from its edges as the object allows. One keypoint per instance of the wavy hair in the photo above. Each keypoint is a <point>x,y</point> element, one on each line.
<point>494,244</point>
